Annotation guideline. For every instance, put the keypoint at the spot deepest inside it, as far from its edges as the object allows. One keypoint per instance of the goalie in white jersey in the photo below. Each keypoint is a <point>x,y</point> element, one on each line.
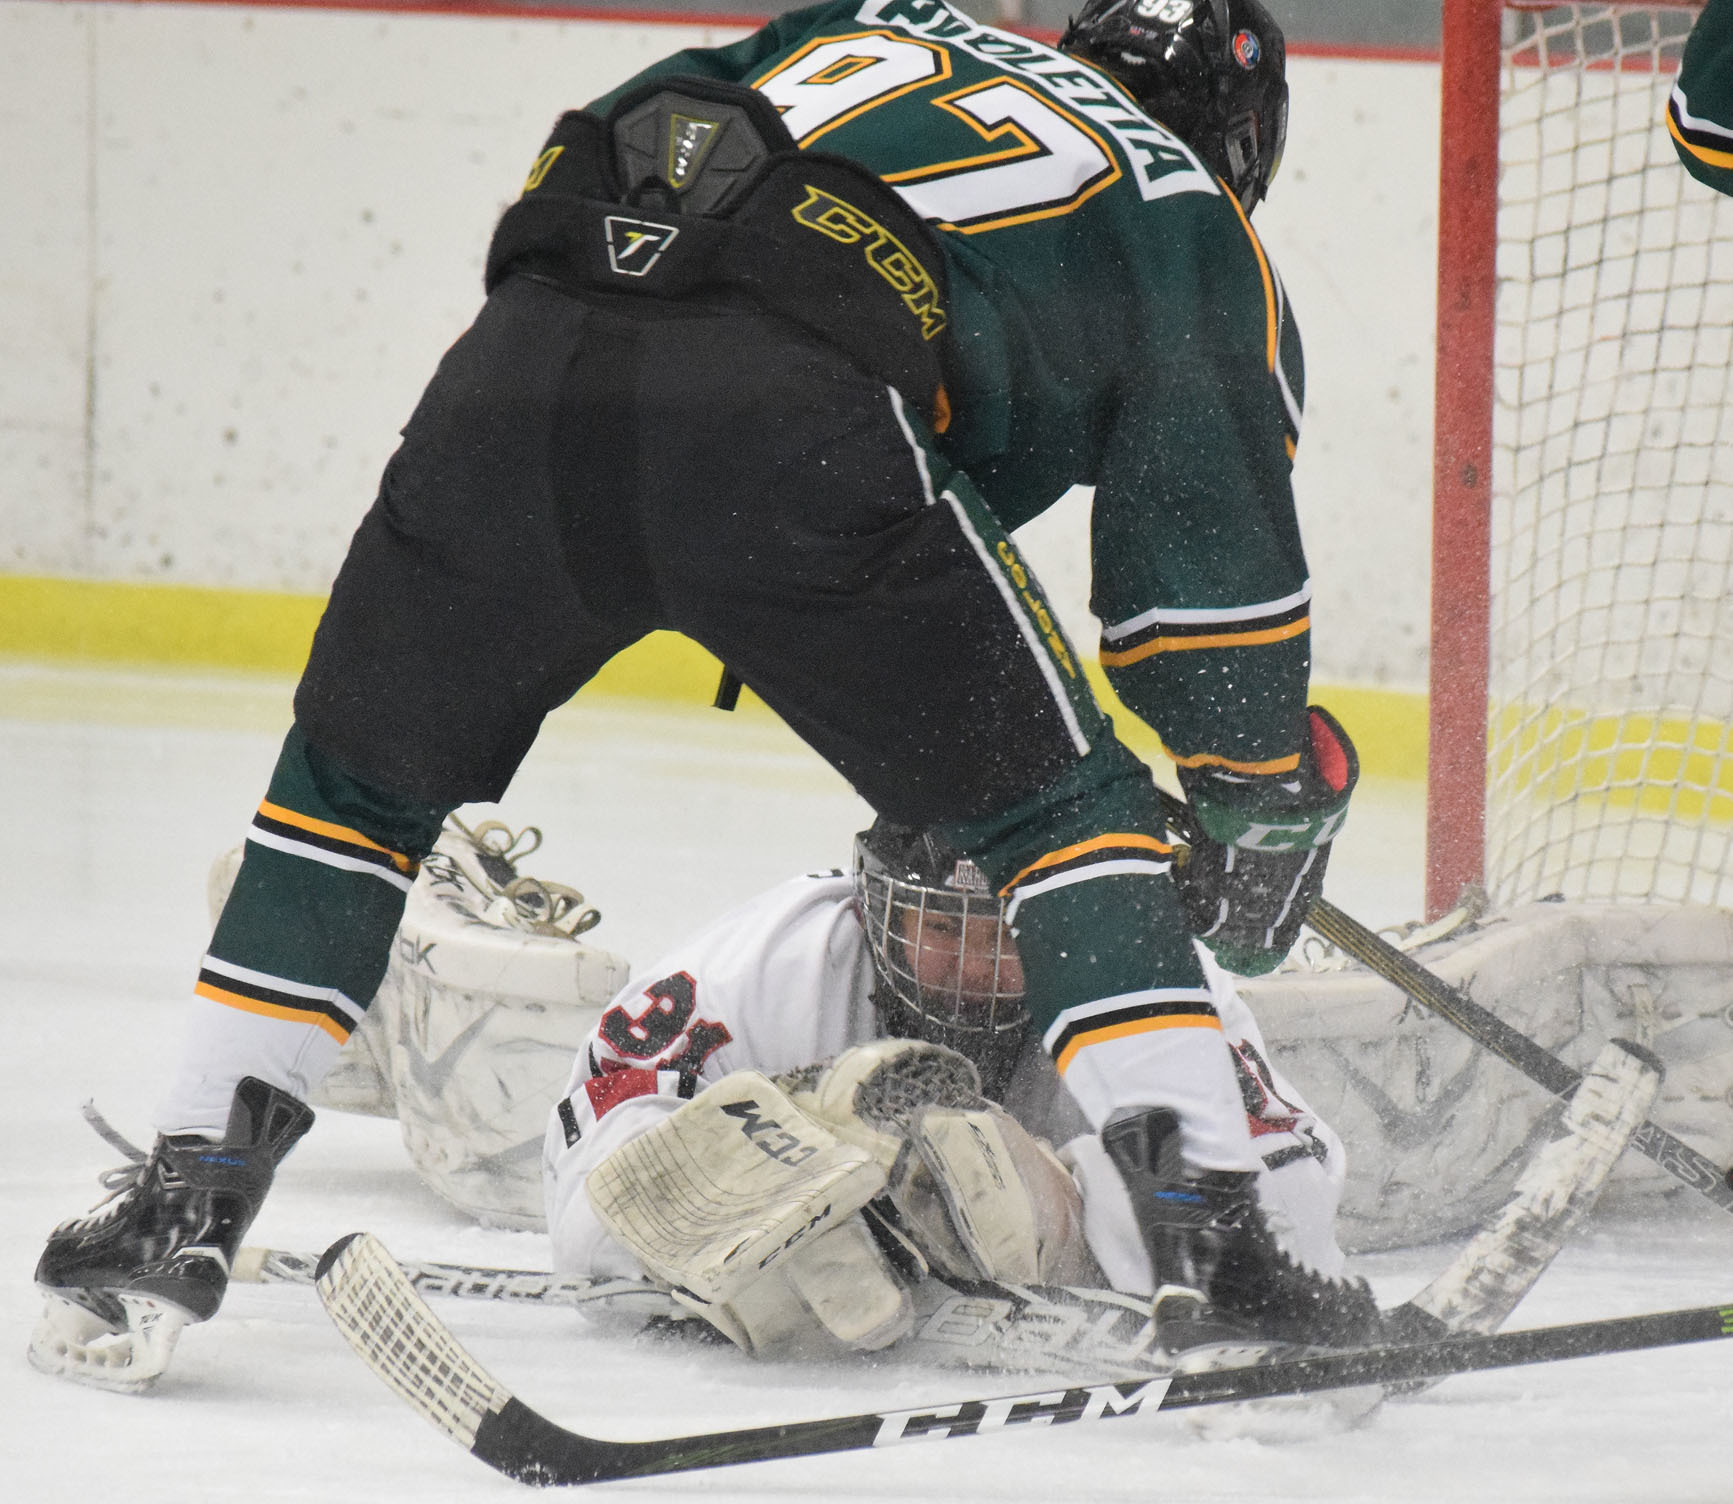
<point>832,1091</point>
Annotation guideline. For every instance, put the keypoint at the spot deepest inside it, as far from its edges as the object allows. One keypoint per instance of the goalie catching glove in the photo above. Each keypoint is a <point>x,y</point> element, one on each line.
<point>1261,845</point>
<point>968,1189</point>
<point>748,1200</point>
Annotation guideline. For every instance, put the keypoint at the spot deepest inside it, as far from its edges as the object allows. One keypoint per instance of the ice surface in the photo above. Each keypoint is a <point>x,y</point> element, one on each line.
<point>119,789</point>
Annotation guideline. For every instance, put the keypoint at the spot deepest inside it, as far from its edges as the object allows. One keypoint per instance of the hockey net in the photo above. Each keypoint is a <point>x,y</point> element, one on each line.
<point>1609,686</point>
<point>1582,653</point>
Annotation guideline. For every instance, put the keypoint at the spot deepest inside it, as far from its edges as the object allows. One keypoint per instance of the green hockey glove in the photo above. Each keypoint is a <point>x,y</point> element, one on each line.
<point>1258,859</point>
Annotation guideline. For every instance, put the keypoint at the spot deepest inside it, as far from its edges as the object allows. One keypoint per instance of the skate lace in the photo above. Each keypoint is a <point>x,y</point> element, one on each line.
<point>122,1178</point>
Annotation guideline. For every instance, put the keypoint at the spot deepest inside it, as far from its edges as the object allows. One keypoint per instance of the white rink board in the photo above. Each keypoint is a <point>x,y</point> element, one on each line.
<point>250,233</point>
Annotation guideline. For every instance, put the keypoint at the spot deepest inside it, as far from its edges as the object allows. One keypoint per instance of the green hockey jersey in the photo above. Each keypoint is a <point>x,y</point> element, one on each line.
<point>1115,323</point>
<point>1700,111</point>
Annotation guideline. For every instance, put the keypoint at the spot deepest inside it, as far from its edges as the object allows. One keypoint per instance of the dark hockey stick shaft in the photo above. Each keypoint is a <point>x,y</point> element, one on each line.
<point>378,1312</point>
<point>529,1447</point>
<point>1485,1028</point>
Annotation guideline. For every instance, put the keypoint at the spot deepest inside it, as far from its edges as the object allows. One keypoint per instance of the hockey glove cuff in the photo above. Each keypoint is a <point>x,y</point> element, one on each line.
<point>1257,862</point>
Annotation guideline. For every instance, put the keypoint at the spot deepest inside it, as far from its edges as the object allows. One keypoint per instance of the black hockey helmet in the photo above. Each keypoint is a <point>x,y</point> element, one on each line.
<point>1212,71</point>
<point>946,964</point>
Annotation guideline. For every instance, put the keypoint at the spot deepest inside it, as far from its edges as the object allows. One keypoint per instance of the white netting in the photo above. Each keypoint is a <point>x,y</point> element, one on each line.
<point>1611,694</point>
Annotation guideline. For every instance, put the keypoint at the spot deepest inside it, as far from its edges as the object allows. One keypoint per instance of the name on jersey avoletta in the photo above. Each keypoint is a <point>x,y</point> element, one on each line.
<point>1161,164</point>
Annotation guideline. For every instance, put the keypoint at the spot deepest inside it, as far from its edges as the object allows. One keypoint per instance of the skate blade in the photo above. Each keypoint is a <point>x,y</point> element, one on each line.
<point>1279,1418</point>
<point>72,1343</point>
<point>1292,1418</point>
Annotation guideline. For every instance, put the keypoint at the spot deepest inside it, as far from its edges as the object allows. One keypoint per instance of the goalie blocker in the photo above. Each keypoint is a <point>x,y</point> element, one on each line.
<point>794,1217</point>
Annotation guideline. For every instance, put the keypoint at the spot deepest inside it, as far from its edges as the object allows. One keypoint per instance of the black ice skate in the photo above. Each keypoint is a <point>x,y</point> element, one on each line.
<point>1226,1293</point>
<point>155,1254</point>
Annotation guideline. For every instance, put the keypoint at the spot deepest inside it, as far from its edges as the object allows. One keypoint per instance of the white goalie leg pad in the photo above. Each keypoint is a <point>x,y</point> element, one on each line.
<point>832,1294</point>
<point>983,1198</point>
<point>1438,1128</point>
<point>72,1343</point>
<point>717,1193</point>
<point>493,985</point>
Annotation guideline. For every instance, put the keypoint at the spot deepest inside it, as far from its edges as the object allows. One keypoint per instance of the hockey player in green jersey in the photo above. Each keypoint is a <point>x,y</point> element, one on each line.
<point>781,340</point>
<point>1700,109</point>
<point>1115,321</point>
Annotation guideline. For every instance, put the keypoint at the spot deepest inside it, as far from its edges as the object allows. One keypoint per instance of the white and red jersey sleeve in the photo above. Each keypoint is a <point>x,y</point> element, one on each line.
<point>774,985</point>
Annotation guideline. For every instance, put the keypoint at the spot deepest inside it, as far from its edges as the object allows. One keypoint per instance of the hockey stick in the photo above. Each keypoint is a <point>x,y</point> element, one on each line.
<point>1377,954</point>
<point>376,1308</point>
<point>1540,1065</point>
<point>1089,1331</point>
<point>280,1266</point>
<point>1094,1333</point>
<point>1502,1262</point>
<point>980,1323</point>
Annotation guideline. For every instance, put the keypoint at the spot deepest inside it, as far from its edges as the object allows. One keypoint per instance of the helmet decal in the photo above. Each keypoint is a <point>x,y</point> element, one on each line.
<point>1246,50</point>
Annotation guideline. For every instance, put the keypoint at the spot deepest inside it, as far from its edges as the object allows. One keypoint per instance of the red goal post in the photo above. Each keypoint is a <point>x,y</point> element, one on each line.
<point>1581,737</point>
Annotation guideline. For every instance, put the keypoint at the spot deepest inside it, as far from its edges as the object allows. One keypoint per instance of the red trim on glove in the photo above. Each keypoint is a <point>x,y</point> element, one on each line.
<point>1329,756</point>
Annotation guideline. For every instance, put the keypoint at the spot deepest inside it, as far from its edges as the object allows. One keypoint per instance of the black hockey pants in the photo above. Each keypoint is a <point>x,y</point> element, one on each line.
<point>584,470</point>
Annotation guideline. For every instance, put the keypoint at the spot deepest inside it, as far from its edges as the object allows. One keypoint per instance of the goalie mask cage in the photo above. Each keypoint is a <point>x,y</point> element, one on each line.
<point>1582,643</point>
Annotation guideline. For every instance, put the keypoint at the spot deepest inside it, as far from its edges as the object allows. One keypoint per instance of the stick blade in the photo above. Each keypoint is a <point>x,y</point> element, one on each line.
<point>1556,1191</point>
<point>372,1303</point>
